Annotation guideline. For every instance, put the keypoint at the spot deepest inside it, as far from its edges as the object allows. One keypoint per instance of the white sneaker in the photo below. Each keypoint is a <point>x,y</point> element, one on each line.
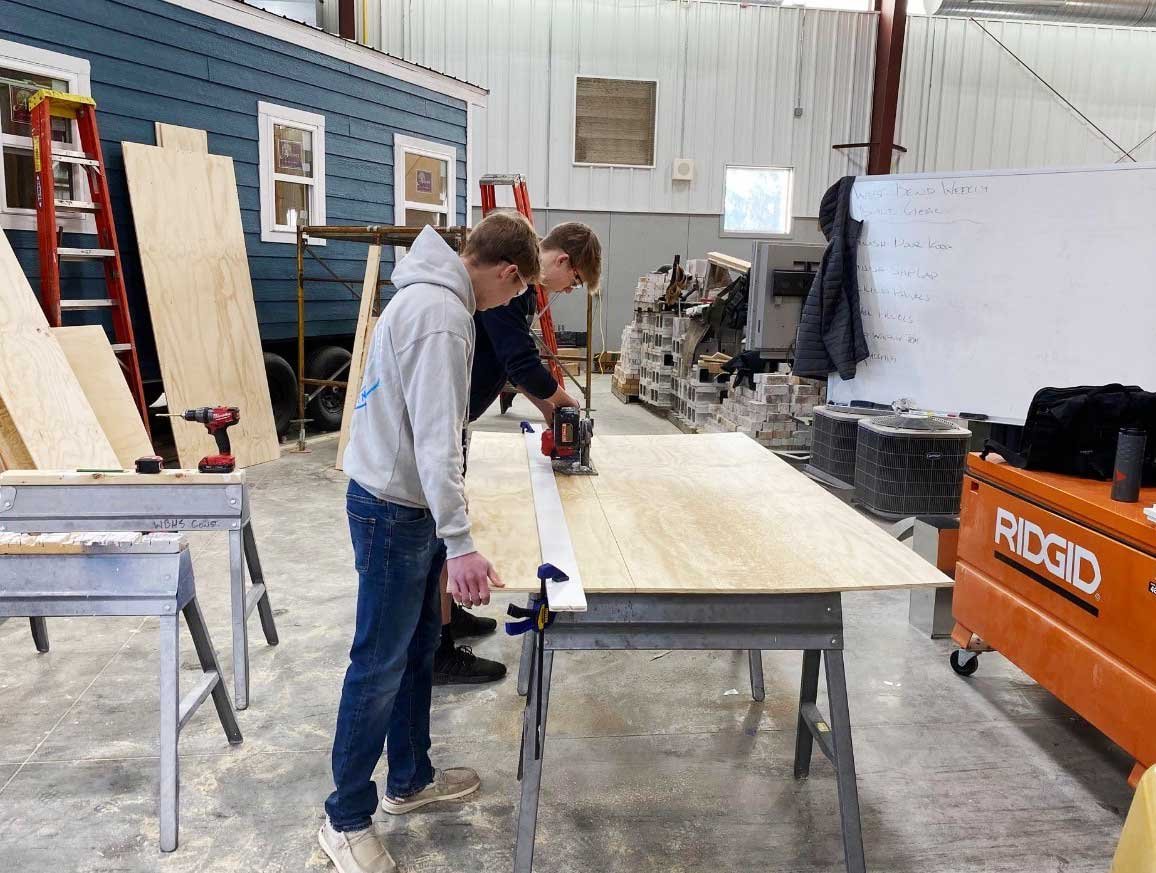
<point>355,851</point>
<point>447,785</point>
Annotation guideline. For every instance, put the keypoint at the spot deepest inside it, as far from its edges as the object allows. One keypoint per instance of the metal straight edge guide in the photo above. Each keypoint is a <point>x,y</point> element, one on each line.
<point>553,533</point>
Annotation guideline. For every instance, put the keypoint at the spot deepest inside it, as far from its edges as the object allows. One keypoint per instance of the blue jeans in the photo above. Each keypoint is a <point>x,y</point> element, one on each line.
<point>389,681</point>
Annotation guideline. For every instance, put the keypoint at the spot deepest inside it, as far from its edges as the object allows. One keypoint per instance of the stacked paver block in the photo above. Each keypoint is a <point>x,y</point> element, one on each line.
<point>629,366</point>
<point>770,412</point>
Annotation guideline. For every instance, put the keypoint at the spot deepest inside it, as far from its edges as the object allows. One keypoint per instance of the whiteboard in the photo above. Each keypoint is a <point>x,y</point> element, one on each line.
<point>977,289</point>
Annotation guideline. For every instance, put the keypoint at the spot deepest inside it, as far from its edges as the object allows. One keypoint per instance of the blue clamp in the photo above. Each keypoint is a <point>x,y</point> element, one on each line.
<point>538,617</point>
<point>526,427</point>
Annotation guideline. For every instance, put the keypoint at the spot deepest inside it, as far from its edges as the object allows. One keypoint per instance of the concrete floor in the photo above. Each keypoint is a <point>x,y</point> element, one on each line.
<point>654,763</point>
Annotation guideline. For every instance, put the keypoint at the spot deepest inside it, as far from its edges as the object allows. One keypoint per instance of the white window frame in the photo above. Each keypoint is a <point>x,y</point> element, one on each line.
<point>269,114</point>
<point>403,145</point>
<point>743,234</point>
<point>76,72</point>
<point>574,119</point>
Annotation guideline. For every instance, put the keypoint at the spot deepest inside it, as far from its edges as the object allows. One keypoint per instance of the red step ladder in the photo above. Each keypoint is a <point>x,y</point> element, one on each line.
<point>45,106</point>
<point>517,182</point>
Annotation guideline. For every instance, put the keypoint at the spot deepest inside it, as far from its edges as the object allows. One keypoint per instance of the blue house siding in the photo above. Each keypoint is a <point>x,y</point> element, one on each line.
<point>152,61</point>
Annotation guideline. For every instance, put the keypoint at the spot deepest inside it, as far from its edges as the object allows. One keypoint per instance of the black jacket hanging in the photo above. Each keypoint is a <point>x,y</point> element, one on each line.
<point>830,336</point>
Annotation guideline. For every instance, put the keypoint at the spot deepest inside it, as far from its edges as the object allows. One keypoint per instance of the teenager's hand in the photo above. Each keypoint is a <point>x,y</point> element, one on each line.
<point>545,407</point>
<point>470,578</point>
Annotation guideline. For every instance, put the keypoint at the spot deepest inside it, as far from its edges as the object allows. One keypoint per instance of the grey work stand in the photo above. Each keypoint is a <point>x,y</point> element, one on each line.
<point>811,623</point>
<point>152,577</point>
<point>40,503</point>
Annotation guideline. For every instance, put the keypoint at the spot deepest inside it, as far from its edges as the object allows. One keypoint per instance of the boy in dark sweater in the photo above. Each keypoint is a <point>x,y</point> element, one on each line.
<point>505,352</point>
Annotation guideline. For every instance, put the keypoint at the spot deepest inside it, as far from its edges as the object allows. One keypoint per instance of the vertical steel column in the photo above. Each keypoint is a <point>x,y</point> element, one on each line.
<point>888,73</point>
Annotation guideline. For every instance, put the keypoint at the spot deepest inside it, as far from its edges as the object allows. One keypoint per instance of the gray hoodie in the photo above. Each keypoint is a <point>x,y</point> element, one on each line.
<point>405,439</point>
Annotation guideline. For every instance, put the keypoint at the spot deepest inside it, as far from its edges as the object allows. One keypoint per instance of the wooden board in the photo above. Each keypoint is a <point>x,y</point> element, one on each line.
<point>196,271</point>
<point>48,421</point>
<point>366,323</point>
<point>185,139</point>
<point>125,477</point>
<point>633,524</point>
<point>101,377</point>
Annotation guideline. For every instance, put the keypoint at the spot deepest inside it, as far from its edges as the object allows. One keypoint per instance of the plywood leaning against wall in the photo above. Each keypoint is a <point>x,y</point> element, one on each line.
<point>184,139</point>
<point>366,323</point>
<point>46,421</point>
<point>196,271</point>
<point>101,378</point>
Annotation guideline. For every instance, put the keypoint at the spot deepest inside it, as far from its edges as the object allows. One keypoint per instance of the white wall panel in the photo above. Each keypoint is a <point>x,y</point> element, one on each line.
<point>729,80</point>
<point>967,103</point>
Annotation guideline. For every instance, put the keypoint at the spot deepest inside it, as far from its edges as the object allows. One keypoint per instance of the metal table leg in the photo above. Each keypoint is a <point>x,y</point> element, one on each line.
<point>257,579</point>
<point>755,656</point>
<point>240,620</point>
<point>808,694</point>
<point>207,655</point>
<point>527,658</point>
<point>531,769</point>
<point>170,716</point>
<point>39,633</point>
<point>844,762</point>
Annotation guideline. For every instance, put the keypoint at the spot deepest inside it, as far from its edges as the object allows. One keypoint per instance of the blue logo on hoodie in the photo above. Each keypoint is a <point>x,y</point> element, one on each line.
<point>365,392</point>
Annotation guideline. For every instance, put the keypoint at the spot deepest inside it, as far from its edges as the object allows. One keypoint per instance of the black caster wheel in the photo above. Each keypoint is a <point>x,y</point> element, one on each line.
<point>964,663</point>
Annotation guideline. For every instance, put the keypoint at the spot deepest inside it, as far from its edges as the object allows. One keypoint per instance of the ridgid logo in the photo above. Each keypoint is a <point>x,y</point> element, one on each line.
<point>1063,559</point>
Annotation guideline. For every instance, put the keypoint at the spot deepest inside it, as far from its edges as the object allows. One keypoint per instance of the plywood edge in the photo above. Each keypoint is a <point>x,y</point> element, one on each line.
<point>366,324</point>
<point>184,139</point>
<point>119,477</point>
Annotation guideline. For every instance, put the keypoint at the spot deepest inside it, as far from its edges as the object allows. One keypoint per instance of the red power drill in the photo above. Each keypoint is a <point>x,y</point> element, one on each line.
<point>217,421</point>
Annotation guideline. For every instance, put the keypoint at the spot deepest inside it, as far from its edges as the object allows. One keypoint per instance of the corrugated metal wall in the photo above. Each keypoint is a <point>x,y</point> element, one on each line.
<point>729,79</point>
<point>967,103</point>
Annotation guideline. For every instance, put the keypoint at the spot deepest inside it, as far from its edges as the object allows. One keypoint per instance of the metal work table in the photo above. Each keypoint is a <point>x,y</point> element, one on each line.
<point>45,501</point>
<point>117,574</point>
<point>658,575</point>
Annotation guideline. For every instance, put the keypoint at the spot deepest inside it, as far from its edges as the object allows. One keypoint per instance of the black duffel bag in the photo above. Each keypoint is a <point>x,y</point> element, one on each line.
<point>1074,430</point>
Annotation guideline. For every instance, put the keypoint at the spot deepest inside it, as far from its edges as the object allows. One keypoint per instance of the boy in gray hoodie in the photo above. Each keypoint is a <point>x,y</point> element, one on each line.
<point>407,518</point>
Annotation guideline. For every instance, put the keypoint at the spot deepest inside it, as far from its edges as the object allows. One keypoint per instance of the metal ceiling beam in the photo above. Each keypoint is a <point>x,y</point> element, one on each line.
<point>888,74</point>
<point>1122,13</point>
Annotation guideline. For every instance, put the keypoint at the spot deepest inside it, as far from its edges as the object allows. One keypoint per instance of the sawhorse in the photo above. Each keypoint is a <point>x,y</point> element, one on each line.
<point>44,501</point>
<point>811,623</point>
<point>125,574</point>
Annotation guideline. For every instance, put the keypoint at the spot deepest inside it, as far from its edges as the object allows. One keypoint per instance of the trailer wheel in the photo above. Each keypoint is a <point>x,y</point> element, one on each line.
<point>964,663</point>
<point>328,362</point>
<point>282,391</point>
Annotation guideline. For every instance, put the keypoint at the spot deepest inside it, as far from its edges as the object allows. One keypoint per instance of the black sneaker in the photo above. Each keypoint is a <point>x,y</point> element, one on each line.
<point>465,624</point>
<point>460,666</point>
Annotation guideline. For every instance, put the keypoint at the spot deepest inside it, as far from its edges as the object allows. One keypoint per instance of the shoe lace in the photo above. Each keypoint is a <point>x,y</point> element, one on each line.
<point>465,655</point>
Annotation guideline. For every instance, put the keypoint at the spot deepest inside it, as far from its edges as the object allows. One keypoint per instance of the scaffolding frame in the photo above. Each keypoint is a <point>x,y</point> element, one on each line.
<point>373,234</point>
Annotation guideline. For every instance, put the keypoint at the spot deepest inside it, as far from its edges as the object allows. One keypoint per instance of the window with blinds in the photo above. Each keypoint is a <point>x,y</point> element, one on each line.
<point>614,121</point>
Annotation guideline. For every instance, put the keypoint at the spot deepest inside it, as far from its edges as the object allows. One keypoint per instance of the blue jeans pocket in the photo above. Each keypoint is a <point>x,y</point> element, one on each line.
<point>361,531</point>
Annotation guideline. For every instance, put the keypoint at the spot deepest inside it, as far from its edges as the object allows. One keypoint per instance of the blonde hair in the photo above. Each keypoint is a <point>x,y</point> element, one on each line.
<point>581,244</point>
<point>505,236</point>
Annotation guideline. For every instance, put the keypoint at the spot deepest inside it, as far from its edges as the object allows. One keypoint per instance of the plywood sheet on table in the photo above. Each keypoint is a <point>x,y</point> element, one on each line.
<point>102,379</point>
<point>366,324</point>
<point>192,250</point>
<point>712,513</point>
<point>504,526</point>
<point>46,420</point>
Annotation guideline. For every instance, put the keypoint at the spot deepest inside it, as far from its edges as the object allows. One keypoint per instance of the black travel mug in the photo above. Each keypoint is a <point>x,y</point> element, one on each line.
<point>1129,464</point>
